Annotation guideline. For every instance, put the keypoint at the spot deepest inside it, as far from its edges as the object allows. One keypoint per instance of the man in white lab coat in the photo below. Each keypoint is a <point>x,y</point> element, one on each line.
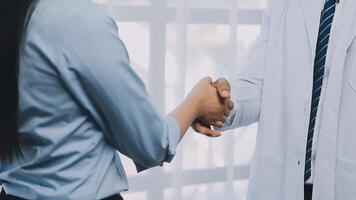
<point>299,84</point>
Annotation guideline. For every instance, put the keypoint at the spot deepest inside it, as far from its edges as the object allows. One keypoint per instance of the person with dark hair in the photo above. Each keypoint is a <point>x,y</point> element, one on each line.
<point>70,100</point>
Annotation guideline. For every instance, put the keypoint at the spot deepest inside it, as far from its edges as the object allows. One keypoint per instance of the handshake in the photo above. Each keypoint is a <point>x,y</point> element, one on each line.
<point>212,104</point>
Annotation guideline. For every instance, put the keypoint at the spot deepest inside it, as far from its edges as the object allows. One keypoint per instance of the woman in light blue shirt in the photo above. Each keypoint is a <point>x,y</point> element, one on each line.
<point>69,100</point>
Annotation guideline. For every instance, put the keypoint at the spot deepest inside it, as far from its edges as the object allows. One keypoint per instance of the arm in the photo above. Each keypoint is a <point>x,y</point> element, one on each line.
<point>246,88</point>
<point>100,78</point>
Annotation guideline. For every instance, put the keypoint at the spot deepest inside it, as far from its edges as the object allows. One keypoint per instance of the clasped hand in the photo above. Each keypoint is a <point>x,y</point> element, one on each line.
<point>214,105</point>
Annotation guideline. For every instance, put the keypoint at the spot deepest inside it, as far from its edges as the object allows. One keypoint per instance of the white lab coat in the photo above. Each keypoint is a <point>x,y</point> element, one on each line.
<point>275,87</point>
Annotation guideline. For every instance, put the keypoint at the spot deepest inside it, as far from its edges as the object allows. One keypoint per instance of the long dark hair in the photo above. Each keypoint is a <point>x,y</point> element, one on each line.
<point>14,16</point>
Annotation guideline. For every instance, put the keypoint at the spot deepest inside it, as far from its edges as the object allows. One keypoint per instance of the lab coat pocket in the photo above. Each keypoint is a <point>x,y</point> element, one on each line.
<point>345,179</point>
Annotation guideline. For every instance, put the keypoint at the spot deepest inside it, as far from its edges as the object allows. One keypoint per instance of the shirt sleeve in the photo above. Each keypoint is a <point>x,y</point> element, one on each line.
<point>98,74</point>
<point>247,86</point>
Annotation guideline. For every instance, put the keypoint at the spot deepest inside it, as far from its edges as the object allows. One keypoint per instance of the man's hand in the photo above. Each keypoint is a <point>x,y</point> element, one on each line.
<point>224,90</point>
<point>201,125</point>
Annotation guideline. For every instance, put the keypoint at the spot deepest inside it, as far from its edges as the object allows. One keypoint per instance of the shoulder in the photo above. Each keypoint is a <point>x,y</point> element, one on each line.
<point>69,18</point>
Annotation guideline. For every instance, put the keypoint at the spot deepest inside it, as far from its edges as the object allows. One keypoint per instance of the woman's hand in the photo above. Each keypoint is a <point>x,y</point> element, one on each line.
<point>211,109</point>
<point>202,126</point>
<point>203,107</point>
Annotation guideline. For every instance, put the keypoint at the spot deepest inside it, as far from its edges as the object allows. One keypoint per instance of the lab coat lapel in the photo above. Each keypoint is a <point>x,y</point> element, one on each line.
<point>311,12</point>
<point>324,179</point>
<point>345,25</point>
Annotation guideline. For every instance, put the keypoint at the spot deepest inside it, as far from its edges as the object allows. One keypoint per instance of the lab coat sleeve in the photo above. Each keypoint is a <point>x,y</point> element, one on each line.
<point>247,86</point>
<point>99,76</point>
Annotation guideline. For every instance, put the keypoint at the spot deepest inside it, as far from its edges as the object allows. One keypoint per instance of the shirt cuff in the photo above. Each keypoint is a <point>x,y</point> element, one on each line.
<point>246,111</point>
<point>173,137</point>
<point>230,121</point>
<point>170,141</point>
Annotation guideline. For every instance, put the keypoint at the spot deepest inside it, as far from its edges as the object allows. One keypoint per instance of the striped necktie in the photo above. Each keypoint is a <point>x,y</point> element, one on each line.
<point>326,20</point>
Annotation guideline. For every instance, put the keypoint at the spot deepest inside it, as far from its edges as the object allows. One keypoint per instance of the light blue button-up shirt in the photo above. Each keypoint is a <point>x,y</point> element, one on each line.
<point>80,101</point>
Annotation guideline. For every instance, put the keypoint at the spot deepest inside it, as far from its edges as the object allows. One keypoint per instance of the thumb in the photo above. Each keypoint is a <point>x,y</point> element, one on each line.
<point>223,87</point>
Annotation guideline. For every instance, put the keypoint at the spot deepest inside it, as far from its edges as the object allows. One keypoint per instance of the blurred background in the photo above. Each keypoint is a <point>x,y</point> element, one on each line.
<point>172,44</point>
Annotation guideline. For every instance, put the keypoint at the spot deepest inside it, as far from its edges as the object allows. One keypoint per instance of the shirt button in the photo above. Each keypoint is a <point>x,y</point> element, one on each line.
<point>299,162</point>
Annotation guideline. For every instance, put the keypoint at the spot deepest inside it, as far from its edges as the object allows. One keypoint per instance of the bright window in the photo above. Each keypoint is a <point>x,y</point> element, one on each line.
<point>172,44</point>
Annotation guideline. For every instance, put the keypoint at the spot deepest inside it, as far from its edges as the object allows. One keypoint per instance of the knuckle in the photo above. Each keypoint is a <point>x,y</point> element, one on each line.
<point>207,78</point>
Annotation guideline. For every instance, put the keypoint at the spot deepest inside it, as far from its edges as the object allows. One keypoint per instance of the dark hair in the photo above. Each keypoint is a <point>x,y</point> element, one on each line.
<point>14,17</point>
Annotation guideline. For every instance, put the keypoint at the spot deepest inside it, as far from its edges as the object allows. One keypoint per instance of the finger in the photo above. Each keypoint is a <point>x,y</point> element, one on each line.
<point>230,104</point>
<point>204,130</point>
<point>220,118</point>
<point>226,110</point>
<point>223,87</point>
<point>219,124</point>
<point>210,133</point>
<point>199,126</point>
<point>213,134</point>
